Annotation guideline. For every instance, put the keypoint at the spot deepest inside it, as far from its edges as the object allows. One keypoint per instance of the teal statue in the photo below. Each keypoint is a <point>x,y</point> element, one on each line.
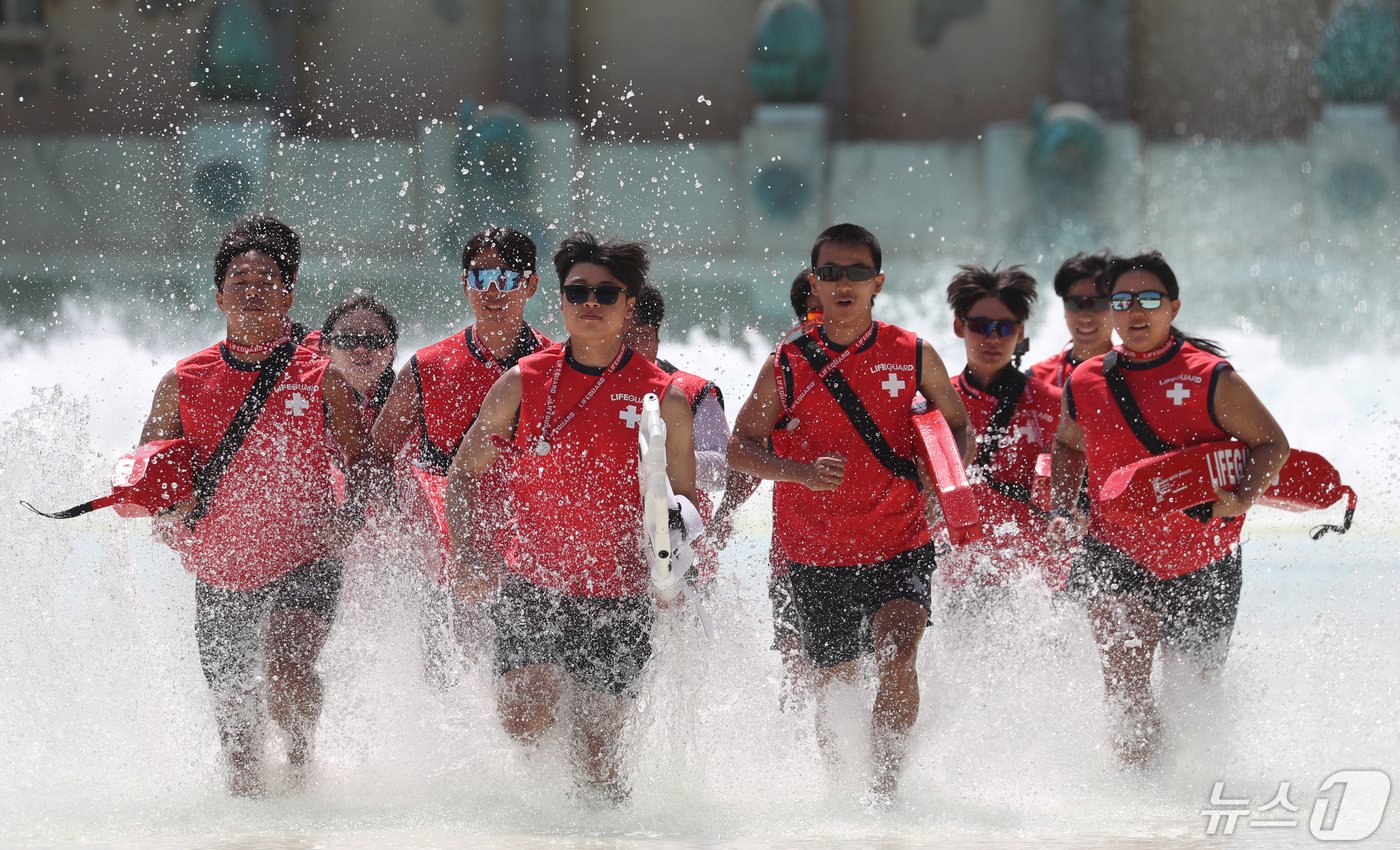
<point>1067,151</point>
<point>1360,61</point>
<point>234,59</point>
<point>790,59</point>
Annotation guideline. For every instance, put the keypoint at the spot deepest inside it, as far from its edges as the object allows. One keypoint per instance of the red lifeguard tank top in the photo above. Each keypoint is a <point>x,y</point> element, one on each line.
<point>1014,531</point>
<point>276,497</point>
<point>578,508</point>
<point>453,376</point>
<point>1176,393</point>
<point>1055,370</point>
<point>873,515</point>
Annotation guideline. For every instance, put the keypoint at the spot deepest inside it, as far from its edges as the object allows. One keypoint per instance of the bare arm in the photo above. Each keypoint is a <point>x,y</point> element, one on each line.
<point>936,386</point>
<point>748,445</point>
<point>680,444</point>
<point>163,422</point>
<point>401,416</point>
<point>478,450</point>
<point>1245,418</point>
<point>347,429</point>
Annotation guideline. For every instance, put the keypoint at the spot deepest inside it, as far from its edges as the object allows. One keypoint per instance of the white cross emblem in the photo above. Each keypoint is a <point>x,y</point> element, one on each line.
<point>892,385</point>
<point>1178,394</point>
<point>297,404</point>
<point>631,415</point>
<point>1030,432</point>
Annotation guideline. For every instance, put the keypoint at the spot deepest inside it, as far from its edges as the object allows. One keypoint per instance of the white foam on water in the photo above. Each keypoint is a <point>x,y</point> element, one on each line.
<point>107,740</point>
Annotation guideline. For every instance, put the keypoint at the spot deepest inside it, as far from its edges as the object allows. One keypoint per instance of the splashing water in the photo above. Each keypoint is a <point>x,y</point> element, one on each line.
<point>108,740</point>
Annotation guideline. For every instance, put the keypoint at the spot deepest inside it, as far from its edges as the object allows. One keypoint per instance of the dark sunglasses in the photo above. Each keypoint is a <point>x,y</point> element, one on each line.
<point>831,274</point>
<point>1086,303</point>
<point>1149,300</point>
<point>505,280</point>
<point>577,293</point>
<point>350,342</point>
<point>986,327</point>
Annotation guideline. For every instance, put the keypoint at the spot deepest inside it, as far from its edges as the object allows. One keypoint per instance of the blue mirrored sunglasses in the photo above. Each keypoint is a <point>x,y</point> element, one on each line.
<point>505,280</point>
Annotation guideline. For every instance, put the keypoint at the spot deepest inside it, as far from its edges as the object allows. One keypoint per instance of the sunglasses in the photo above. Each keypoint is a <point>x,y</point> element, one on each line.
<point>986,327</point>
<point>577,293</point>
<point>855,274</point>
<point>1149,300</point>
<point>1086,303</point>
<point>350,342</point>
<point>505,280</point>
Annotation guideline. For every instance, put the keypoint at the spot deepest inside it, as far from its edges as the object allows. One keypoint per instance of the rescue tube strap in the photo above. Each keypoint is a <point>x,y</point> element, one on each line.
<point>206,478</point>
<point>860,418</point>
<point>1008,393</point>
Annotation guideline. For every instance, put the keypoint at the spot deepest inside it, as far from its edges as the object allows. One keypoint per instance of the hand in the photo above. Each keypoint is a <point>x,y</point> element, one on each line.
<point>344,524</point>
<point>1065,532</point>
<point>825,473</point>
<point>720,529</point>
<point>1229,505</point>
<point>169,527</point>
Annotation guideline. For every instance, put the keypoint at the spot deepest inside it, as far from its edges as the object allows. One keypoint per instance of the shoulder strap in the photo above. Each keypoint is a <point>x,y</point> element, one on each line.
<point>1128,406</point>
<point>855,411</point>
<point>1011,389</point>
<point>206,478</point>
<point>705,390</point>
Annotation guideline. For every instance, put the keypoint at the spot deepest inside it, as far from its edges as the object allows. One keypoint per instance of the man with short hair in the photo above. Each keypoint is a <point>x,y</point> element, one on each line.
<point>837,404</point>
<point>264,533</point>
<point>1082,284</point>
<point>573,614</point>
<point>435,399</point>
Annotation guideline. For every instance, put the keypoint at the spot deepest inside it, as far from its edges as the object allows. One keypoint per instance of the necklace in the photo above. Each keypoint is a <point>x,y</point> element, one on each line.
<point>793,422</point>
<point>542,446</point>
<point>253,350</point>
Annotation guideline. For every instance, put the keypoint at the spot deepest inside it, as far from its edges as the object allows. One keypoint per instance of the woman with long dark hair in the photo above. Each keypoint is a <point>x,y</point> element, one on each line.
<point>1169,579</point>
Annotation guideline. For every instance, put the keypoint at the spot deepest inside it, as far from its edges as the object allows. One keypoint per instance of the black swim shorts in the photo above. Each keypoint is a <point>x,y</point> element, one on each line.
<point>1197,610</point>
<point>836,606</point>
<point>602,643</point>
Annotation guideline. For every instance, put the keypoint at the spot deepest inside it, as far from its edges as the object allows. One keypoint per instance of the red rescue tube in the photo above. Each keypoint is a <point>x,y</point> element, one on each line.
<point>423,497</point>
<point>147,479</point>
<point>934,442</point>
<point>1188,477</point>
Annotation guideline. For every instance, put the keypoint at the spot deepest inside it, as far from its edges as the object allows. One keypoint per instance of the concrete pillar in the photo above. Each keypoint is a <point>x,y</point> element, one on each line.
<point>1095,49</point>
<point>536,71</point>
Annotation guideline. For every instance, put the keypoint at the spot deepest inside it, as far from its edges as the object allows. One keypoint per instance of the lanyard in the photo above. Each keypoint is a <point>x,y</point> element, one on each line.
<point>826,370</point>
<point>546,435</point>
<point>254,350</point>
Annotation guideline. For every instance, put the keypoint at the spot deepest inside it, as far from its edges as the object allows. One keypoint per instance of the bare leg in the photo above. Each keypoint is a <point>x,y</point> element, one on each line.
<point>228,633</point>
<point>899,626</point>
<point>596,740</point>
<point>295,693</point>
<point>797,674</point>
<point>826,734</point>
<point>1127,633</point>
<point>528,701</point>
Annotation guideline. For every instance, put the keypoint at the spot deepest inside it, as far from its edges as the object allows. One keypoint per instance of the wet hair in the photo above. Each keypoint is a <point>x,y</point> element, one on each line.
<point>849,234</point>
<point>1154,264</point>
<point>1012,286</point>
<point>365,301</point>
<point>651,307</point>
<point>1094,266</point>
<point>515,248</point>
<point>265,235</point>
<point>627,261</point>
<point>360,301</point>
<point>799,292</point>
